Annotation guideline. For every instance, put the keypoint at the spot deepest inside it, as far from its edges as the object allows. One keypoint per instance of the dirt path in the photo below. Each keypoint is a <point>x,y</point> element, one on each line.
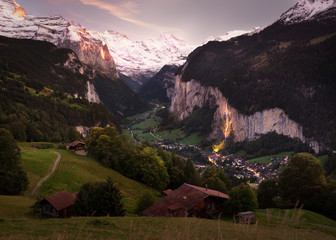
<point>39,184</point>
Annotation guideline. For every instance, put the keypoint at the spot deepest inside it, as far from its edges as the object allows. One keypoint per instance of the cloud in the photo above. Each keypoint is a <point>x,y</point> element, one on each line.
<point>59,2</point>
<point>126,11</point>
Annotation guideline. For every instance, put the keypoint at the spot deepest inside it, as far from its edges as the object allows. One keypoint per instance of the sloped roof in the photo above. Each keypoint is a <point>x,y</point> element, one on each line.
<point>61,200</point>
<point>211,192</point>
<point>185,197</point>
<point>75,143</point>
<point>167,192</point>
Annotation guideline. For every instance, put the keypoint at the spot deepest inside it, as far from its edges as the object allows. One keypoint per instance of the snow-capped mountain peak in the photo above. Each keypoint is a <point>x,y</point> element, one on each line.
<point>232,34</point>
<point>305,10</point>
<point>11,9</point>
<point>142,59</point>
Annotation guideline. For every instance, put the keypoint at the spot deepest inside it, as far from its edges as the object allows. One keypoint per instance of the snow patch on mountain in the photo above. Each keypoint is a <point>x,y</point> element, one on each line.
<point>144,57</point>
<point>306,10</point>
<point>232,34</point>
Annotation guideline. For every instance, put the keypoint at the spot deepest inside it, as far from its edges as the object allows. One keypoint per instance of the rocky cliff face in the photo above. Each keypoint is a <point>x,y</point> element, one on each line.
<point>227,120</point>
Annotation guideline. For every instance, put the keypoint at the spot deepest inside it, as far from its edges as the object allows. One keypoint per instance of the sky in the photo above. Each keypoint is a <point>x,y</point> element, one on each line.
<point>190,20</point>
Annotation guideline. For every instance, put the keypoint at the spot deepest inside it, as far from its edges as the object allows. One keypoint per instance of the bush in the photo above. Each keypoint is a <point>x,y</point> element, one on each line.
<point>147,199</point>
<point>99,199</point>
<point>242,198</point>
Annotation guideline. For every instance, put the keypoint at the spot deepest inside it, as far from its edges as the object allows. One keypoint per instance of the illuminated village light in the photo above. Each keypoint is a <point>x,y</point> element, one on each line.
<point>218,147</point>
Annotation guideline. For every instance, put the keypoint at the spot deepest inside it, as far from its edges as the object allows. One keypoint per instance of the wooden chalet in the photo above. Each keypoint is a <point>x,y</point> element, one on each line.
<point>59,204</point>
<point>76,146</point>
<point>189,201</point>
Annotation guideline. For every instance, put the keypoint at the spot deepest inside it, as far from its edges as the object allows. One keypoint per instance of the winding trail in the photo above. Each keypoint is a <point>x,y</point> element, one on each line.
<point>39,184</point>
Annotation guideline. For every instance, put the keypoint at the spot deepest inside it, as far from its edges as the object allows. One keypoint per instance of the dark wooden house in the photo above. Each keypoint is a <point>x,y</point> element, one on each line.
<point>76,146</point>
<point>59,204</point>
<point>189,201</point>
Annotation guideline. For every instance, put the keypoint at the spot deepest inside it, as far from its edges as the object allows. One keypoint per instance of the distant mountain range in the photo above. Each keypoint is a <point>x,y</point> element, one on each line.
<point>110,52</point>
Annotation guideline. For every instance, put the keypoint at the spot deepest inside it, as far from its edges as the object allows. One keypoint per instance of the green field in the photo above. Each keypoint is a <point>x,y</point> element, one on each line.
<point>271,224</point>
<point>15,206</point>
<point>71,173</point>
<point>267,159</point>
<point>150,124</point>
<point>36,163</point>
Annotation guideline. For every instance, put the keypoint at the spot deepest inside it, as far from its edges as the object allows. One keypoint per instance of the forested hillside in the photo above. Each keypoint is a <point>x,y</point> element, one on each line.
<point>37,91</point>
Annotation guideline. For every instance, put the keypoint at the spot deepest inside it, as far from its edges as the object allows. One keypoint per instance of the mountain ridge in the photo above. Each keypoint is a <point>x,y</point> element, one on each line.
<point>285,66</point>
<point>104,81</point>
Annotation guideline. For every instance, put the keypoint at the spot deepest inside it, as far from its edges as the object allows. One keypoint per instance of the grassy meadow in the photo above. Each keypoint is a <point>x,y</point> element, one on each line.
<point>284,225</point>
<point>36,163</point>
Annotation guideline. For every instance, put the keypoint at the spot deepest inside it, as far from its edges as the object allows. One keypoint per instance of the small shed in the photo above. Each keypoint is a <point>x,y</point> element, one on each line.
<point>246,217</point>
<point>59,204</point>
<point>76,146</point>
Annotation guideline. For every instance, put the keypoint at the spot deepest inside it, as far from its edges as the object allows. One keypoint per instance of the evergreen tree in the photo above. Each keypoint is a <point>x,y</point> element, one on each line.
<point>13,179</point>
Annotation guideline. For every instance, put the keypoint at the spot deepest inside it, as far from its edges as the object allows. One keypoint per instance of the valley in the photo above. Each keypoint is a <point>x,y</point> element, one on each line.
<point>136,127</point>
<point>144,127</point>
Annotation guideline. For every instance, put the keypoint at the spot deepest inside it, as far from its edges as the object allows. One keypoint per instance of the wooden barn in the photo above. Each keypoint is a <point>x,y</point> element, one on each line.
<point>76,146</point>
<point>59,204</point>
<point>189,201</point>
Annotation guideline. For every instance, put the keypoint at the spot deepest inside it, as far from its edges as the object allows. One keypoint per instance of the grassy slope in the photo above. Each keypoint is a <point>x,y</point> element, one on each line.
<point>75,170</point>
<point>271,227</point>
<point>72,171</point>
<point>36,163</point>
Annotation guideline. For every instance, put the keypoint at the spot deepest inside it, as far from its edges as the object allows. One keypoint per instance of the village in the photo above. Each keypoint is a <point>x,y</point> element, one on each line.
<point>253,172</point>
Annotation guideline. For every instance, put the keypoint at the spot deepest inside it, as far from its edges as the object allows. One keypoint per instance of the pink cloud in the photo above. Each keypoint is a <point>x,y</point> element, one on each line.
<point>59,2</point>
<point>126,11</point>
